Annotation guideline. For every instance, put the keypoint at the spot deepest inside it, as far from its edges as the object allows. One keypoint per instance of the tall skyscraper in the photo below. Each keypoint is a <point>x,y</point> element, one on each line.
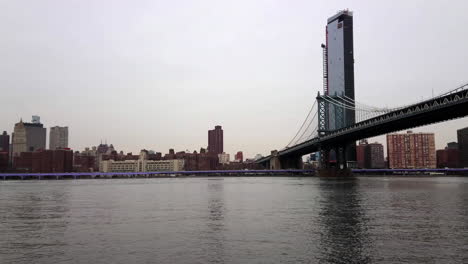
<point>339,63</point>
<point>462,135</point>
<point>58,138</point>
<point>215,140</point>
<point>338,73</point>
<point>28,137</point>
<point>411,150</point>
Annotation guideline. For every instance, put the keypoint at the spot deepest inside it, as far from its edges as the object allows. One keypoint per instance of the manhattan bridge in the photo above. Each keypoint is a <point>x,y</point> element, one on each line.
<point>337,120</point>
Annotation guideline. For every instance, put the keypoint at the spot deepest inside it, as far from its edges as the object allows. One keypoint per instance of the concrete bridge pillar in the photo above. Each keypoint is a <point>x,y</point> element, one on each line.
<point>285,162</point>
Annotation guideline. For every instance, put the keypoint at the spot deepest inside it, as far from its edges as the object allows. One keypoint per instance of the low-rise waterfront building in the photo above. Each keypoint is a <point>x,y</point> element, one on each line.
<point>141,165</point>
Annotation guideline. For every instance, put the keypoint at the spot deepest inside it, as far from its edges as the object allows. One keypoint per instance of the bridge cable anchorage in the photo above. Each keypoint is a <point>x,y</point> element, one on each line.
<point>303,124</point>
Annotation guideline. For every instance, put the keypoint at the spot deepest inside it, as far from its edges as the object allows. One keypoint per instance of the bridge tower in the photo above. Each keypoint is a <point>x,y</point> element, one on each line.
<point>338,81</point>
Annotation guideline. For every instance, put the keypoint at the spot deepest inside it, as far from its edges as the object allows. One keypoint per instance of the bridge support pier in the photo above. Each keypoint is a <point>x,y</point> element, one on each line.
<point>341,157</point>
<point>275,163</point>
<point>324,158</point>
<point>288,162</point>
<point>292,162</point>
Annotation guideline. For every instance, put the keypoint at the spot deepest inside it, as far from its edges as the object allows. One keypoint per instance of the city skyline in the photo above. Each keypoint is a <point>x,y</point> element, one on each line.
<point>141,86</point>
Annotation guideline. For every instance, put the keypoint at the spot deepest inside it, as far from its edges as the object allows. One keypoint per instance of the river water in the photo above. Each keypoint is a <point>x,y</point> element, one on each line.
<point>235,220</point>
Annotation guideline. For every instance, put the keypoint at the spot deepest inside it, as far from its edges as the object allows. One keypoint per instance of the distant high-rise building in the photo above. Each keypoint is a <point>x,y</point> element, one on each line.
<point>215,140</point>
<point>462,135</point>
<point>370,156</point>
<point>239,157</point>
<point>4,151</point>
<point>28,137</point>
<point>4,142</point>
<point>339,63</point>
<point>411,150</point>
<point>338,72</point>
<point>58,138</point>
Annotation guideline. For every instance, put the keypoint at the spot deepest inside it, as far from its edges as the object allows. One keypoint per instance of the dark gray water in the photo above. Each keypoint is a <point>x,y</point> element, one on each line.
<point>235,220</point>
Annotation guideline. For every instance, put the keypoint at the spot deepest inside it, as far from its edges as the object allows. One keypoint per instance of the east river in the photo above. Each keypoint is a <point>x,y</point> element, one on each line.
<point>235,220</point>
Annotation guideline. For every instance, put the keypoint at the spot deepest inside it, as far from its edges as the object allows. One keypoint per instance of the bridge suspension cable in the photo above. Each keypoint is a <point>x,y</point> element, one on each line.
<point>362,112</point>
<point>308,122</point>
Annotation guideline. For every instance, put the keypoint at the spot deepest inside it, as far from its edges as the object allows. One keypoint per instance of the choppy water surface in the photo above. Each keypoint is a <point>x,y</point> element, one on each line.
<point>235,220</point>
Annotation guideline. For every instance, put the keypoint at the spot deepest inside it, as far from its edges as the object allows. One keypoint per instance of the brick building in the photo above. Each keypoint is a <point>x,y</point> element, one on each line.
<point>195,161</point>
<point>361,154</point>
<point>84,163</point>
<point>411,150</point>
<point>370,156</point>
<point>448,158</point>
<point>239,157</point>
<point>45,161</point>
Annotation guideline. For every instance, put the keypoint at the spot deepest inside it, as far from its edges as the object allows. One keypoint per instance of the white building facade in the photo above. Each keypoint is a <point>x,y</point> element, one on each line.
<point>224,158</point>
<point>141,165</point>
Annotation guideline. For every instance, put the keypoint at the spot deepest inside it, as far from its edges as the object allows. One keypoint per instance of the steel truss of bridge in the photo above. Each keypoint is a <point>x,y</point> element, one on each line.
<point>445,107</point>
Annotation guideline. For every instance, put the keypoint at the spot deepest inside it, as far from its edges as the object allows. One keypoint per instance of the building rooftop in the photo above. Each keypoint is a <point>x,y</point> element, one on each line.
<point>340,13</point>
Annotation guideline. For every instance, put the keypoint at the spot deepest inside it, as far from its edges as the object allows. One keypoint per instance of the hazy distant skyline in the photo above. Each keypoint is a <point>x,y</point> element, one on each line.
<point>160,74</point>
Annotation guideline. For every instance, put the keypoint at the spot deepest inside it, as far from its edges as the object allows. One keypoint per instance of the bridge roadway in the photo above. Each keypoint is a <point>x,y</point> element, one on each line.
<point>442,108</point>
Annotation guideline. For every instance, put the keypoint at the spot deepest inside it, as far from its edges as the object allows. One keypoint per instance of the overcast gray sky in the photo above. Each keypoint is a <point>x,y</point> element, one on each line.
<point>159,74</point>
